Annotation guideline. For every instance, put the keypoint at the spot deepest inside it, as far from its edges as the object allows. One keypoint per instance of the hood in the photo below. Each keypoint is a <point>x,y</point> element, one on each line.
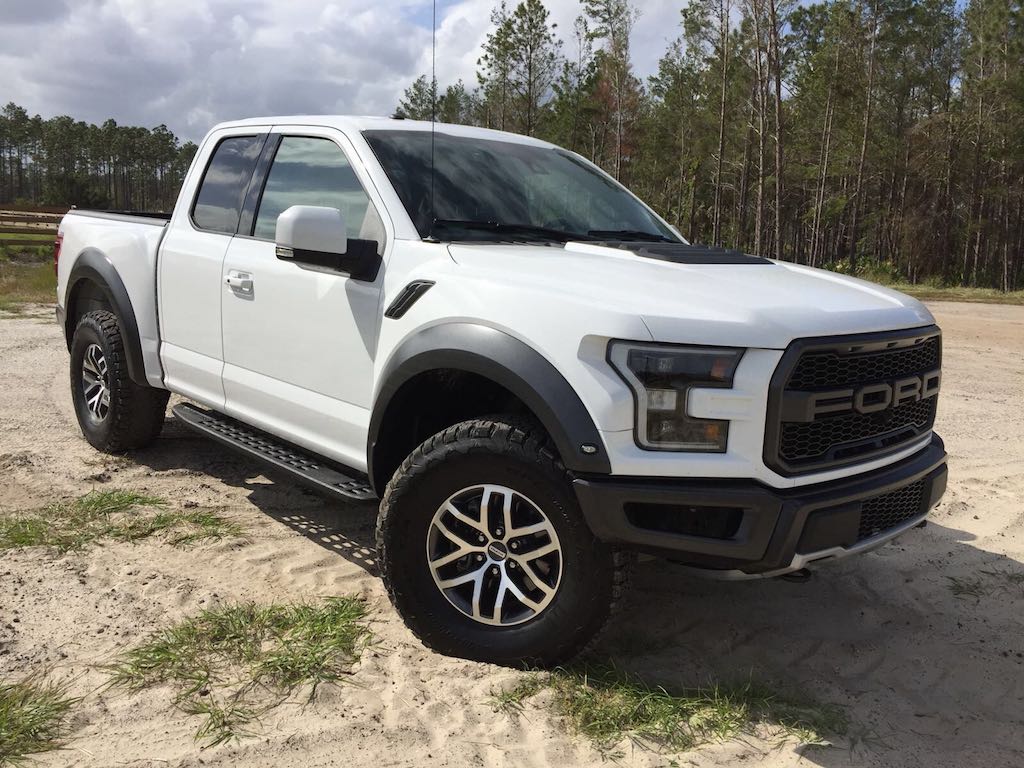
<point>740,302</point>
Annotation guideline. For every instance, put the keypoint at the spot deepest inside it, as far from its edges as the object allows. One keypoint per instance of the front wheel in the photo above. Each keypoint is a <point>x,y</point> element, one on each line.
<point>115,413</point>
<point>484,550</point>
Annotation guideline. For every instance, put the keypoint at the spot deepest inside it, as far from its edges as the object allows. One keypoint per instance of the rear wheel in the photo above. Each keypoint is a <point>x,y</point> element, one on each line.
<point>485,553</point>
<point>115,413</point>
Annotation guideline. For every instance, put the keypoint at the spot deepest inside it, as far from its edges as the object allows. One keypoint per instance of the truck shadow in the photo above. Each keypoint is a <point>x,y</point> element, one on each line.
<point>342,528</point>
<point>919,642</point>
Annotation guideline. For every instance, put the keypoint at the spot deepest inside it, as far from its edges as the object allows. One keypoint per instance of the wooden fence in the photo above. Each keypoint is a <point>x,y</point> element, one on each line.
<point>28,221</point>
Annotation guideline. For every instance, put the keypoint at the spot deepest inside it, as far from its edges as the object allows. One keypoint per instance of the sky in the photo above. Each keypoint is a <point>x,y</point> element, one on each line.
<point>191,63</point>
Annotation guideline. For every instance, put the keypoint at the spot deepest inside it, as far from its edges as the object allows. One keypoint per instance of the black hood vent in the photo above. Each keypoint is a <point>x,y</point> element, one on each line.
<point>681,253</point>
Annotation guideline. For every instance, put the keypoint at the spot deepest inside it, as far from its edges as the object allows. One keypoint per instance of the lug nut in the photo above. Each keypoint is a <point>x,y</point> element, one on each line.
<point>499,532</point>
<point>512,564</point>
<point>481,538</point>
<point>479,558</point>
<point>514,545</point>
<point>494,571</point>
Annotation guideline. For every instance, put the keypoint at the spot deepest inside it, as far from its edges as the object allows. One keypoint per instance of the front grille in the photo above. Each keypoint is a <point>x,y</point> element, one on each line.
<point>827,370</point>
<point>799,440</point>
<point>890,510</point>
<point>827,437</point>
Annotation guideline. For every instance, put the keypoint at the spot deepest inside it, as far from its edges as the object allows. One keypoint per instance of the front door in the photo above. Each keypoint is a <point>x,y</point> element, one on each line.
<point>299,341</point>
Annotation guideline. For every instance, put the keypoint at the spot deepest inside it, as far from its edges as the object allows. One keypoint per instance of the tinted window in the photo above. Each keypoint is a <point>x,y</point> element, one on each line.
<point>312,171</point>
<point>504,182</point>
<point>219,201</point>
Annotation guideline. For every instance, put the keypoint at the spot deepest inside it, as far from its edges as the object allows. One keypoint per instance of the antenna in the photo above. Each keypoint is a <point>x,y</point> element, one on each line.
<point>433,107</point>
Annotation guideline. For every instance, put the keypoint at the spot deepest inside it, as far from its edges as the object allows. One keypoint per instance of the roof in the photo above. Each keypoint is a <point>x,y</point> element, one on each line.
<point>357,123</point>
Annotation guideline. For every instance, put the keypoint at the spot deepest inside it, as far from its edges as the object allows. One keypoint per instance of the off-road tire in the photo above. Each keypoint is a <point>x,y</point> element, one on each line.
<point>518,454</point>
<point>136,413</point>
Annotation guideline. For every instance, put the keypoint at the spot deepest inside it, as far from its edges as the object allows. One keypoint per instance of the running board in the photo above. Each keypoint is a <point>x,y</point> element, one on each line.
<point>316,472</point>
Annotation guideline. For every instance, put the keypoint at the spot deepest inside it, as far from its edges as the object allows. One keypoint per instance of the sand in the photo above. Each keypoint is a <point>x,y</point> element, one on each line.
<point>928,678</point>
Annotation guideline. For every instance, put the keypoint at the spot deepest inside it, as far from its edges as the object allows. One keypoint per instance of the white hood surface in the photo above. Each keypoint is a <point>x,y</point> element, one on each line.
<point>751,304</point>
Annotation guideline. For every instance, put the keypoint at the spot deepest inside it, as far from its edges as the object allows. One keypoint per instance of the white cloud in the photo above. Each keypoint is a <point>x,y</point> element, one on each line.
<point>189,63</point>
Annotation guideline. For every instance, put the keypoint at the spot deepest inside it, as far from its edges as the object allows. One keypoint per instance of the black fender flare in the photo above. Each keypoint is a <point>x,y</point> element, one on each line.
<point>509,362</point>
<point>91,265</point>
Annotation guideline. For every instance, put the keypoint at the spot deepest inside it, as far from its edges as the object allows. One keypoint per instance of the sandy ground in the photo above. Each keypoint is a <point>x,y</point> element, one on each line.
<point>928,678</point>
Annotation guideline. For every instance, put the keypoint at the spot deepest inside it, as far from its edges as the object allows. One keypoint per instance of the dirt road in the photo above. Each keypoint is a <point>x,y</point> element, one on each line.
<point>922,641</point>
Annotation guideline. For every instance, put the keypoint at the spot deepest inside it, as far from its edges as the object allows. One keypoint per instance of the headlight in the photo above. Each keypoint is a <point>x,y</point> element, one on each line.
<point>661,377</point>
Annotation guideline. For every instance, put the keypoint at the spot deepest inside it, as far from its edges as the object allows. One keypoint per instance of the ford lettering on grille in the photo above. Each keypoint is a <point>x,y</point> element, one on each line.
<point>849,399</point>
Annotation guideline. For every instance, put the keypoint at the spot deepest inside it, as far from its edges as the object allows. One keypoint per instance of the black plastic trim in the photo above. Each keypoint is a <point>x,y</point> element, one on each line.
<point>91,265</point>
<point>360,260</point>
<point>507,361</point>
<point>254,192</point>
<point>774,519</point>
<point>407,297</point>
<point>684,253</point>
<point>863,342</point>
<point>315,471</point>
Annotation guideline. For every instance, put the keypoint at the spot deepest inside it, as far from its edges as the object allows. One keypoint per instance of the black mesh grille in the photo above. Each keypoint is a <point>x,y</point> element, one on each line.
<point>891,509</point>
<point>845,436</point>
<point>805,441</point>
<point>828,369</point>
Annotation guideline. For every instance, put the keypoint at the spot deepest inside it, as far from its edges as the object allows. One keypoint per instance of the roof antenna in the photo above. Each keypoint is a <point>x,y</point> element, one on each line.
<point>433,108</point>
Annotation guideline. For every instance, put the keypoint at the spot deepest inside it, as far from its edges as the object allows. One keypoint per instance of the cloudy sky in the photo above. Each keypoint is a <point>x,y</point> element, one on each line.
<point>191,63</point>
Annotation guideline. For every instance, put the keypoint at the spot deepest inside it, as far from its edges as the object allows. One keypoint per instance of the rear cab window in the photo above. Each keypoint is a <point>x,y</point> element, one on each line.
<point>218,203</point>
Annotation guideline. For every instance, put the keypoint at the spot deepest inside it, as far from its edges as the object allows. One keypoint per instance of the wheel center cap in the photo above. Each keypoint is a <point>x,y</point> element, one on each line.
<point>497,550</point>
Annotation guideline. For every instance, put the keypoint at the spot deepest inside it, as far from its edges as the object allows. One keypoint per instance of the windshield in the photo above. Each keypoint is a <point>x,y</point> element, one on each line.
<point>498,190</point>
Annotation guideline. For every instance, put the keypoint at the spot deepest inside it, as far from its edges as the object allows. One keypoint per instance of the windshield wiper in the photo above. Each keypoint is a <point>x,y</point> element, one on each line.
<point>498,227</point>
<point>631,234</point>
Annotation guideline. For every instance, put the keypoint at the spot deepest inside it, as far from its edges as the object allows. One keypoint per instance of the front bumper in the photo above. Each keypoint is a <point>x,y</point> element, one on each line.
<point>743,529</point>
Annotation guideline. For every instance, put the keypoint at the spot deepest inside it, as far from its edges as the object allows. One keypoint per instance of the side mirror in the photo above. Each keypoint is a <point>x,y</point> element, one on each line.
<point>316,236</point>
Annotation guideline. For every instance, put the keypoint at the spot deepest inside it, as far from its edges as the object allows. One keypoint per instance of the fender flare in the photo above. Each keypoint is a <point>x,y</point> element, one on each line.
<point>507,361</point>
<point>91,265</point>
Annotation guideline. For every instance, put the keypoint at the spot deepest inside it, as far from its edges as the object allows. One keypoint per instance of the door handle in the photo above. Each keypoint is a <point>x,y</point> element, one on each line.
<point>239,281</point>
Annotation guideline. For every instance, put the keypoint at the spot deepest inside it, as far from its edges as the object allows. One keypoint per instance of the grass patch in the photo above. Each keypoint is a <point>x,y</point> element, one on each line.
<point>33,719</point>
<point>110,515</point>
<point>975,295</point>
<point>608,707</point>
<point>29,234</point>
<point>232,664</point>
<point>26,284</point>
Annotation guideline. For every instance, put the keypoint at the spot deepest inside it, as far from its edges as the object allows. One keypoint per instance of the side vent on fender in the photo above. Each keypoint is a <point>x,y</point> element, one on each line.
<point>407,297</point>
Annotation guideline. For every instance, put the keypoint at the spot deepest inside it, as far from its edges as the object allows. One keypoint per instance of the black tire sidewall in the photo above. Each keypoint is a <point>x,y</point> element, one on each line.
<point>584,595</point>
<point>88,332</point>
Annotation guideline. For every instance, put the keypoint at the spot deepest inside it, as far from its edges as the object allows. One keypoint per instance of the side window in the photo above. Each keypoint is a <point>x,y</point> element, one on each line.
<point>315,171</point>
<point>219,202</point>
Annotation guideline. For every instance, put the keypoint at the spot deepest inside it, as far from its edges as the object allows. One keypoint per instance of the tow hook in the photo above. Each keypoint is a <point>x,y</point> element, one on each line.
<point>801,576</point>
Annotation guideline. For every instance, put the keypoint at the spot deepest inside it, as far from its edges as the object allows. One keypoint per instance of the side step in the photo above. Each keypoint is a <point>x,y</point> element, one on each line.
<point>318,473</point>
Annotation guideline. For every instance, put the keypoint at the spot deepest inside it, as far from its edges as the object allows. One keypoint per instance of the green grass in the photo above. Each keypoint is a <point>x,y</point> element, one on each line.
<point>22,284</point>
<point>109,515</point>
<point>29,234</point>
<point>608,707</point>
<point>230,665</point>
<point>33,719</point>
<point>975,295</point>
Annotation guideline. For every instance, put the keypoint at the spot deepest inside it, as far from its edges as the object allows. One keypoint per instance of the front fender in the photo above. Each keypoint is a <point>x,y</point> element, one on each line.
<point>509,362</point>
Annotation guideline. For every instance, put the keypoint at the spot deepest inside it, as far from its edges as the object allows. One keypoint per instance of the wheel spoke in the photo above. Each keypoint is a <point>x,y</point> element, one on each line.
<point>506,516</point>
<point>464,578</point>
<point>521,596</point>
<point>528,530</point>
<point>533,554</point>
<point>451,557</point>
<point>461,517</point>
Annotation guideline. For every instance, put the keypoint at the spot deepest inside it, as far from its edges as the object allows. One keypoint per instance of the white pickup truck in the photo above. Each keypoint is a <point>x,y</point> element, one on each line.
<point>530,368</point>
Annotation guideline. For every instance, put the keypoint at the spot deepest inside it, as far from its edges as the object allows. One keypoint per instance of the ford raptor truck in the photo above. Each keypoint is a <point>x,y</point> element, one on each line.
<point>534,373</point>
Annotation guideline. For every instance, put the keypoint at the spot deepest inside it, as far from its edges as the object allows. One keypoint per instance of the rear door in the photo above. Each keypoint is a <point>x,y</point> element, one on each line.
<point>191,263</point>
<point>299,341</point>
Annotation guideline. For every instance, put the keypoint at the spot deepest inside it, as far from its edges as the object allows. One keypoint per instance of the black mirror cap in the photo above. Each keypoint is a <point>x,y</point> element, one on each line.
<point>360,260</point>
